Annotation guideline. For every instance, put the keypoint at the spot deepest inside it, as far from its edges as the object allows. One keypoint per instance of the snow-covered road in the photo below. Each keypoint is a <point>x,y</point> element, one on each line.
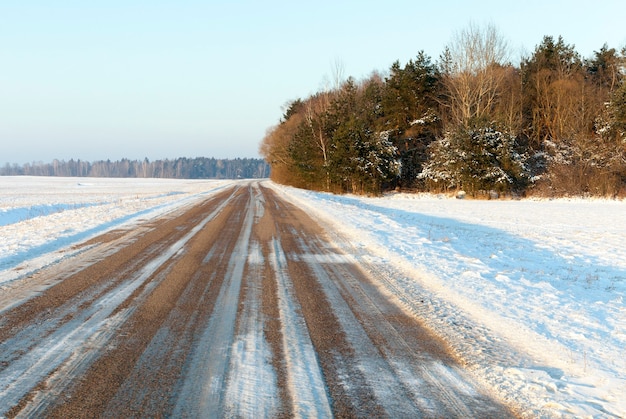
<point>528,294</point>
<point>227,301</point>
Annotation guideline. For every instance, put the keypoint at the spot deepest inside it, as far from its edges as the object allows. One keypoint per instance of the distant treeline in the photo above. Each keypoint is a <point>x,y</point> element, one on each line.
<point>553,124</point>
<point>180,168</point>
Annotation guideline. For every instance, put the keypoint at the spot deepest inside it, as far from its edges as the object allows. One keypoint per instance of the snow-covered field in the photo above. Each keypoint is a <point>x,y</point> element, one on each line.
<point>41,217</point>
<point>529,294</point>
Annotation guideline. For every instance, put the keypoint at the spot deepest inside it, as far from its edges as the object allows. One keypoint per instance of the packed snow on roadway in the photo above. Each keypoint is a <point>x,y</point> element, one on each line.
<point>528,293</point>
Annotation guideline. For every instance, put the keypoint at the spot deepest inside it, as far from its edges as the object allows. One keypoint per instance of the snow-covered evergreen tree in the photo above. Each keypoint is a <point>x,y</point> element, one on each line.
<point>375,161</point>
<point>476,159</point>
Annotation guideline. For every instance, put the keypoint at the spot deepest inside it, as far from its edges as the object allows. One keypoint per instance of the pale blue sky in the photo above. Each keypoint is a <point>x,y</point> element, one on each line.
<point>95,80</point>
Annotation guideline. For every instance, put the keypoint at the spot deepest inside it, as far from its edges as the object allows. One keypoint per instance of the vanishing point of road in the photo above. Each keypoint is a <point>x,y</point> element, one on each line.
<point>237,306</point>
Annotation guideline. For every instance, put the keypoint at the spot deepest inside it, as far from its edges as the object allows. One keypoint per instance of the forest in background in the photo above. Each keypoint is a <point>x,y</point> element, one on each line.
<point>552,125</point>
<point>180,168</point>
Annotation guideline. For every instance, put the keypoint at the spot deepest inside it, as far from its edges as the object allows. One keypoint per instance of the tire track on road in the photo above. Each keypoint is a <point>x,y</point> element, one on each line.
<point>203,391</point>
<point>304,376</point>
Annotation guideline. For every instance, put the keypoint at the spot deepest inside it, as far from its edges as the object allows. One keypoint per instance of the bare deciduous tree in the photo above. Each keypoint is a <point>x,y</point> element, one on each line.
<point>315,110</point>
<point>472,73</point>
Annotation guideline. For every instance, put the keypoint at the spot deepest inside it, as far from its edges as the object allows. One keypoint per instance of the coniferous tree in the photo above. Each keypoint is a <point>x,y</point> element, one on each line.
<point>477,159</point>
<point>409,108</point>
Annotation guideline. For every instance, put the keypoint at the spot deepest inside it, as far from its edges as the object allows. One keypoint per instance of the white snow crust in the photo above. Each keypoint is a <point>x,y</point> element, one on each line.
<point>528,293</point>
